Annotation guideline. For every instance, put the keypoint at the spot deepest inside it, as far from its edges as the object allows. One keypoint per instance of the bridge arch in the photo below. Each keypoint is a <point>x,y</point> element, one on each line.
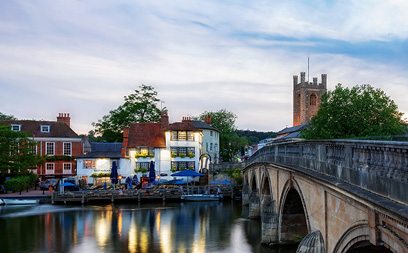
<point>265,186</point>
<point>293,217</point>
<point>357,238</point>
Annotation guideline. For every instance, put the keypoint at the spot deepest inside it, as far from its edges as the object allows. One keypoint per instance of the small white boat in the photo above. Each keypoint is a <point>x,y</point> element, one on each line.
<point>201,197</point>
<point>21,201</point>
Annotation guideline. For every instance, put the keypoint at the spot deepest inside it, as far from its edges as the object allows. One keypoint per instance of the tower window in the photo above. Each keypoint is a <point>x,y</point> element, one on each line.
<point>298,99</point>
<point>313,99</point>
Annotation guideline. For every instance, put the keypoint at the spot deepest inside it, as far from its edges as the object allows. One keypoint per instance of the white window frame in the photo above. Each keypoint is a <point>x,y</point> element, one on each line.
<point>48,169</point>
<point>66,149</point>
<point>53,148</point>
<point>45,128</point>
<point>15,127</point>
<point>65,169</point>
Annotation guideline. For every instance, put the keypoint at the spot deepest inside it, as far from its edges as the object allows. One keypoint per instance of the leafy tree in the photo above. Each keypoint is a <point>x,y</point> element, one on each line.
<point>361,111</point>
<point>7,117</point>
<point>138,107</point>
<point>16,151</point>
<point>224,121</point>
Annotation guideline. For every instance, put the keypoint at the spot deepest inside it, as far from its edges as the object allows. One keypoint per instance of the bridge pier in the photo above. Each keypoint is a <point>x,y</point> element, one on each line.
<point>245,195</point>
<point>254,205</point>
<point>269,221</point>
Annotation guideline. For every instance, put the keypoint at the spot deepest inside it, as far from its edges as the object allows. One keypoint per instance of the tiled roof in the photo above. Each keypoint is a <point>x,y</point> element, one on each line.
<point>293,129</point>
<point>184,125</point>
<point>104,150</point>
<point>33,127</point>
<point>146,135</point>
<point>203,125</point>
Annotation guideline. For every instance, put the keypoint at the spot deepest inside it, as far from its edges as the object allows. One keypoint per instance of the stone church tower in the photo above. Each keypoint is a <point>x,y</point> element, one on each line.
<point>306,98</point>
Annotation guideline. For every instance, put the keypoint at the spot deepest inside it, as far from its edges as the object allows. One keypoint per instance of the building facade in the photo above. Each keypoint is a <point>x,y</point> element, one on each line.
<point>56,141</point>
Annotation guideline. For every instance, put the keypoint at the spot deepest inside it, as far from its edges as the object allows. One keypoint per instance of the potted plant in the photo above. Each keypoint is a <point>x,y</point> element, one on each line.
<point>191,155</point>
<point>182,155</point>
<point>182,168</point>
<point>173,169</point>
<point>144,170</point>
<point>173,155</point>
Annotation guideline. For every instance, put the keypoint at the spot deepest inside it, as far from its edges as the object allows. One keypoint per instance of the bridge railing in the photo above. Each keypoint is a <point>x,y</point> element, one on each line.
<point>378,166</point>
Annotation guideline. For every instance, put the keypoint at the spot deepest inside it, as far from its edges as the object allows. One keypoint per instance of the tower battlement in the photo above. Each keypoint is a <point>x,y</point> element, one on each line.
<point>304,84</point>
<point>306,98</point>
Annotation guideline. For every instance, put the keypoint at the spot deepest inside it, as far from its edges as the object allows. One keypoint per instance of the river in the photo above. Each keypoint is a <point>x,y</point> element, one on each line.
<point>160,227</point>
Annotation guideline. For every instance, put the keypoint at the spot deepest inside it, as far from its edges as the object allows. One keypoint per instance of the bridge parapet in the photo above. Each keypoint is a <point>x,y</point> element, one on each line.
<point>377,166</point>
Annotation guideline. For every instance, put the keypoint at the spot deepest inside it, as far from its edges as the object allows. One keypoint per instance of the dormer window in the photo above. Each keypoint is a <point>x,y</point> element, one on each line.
<point>45,129</point>
<point>15,127</point>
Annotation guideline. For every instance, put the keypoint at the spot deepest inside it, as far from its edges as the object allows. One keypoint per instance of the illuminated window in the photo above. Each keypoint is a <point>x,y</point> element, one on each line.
<point>182,135</point>
<point>190,136</point>
<point>173,136</point>
<point>88,164</point>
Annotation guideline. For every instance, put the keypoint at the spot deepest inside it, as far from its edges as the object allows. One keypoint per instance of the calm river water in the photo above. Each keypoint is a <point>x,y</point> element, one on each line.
<point>170,227</point>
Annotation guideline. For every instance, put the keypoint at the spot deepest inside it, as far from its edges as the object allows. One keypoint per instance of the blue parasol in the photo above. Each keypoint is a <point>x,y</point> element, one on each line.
<point>114,173</point>
<point>152,173</point>
<point>180,182</point>
<point>226,182</point>
<point>187,173</point>
<point>214,182</point>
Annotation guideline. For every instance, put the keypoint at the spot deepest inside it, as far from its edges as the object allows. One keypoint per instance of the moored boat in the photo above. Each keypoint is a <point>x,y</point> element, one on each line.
<point>1,202</point>
<point>21,201</point>
<point>201,197</point>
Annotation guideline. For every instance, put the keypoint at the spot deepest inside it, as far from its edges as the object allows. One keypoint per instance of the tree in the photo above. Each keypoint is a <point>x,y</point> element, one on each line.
<point>224,121</point>
<point>7,117</point>
<point>16,151</point>
<point>138,107</point>
<point>361,111</point>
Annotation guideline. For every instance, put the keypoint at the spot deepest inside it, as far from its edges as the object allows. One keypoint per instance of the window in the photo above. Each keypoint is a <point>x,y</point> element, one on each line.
<point>173,136</point>
<point>15,127</point>
<point>216,147</point>
<point>182,135</point>
<point>144,152</point>
<point>50,148</point>
<point>142,165</point>
<point>298,99</point>
<point>67,168</point>
<point>67,148</point>
<point>49,168</point>
<point>206,146</point>
<point>190,136</point>
<point>313,99</point>
<point>182,152</point>
<point>183,165</point>
<point>211,146</point>
<point>211,133</point>
<point>45,129</point>
<point>88,164</point>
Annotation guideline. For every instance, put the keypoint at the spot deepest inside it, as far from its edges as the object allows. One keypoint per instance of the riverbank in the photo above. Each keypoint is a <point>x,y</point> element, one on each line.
<point>43,196</point>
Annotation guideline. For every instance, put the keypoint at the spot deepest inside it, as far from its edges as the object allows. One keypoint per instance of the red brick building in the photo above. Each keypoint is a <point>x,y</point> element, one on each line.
<point>56,141</point>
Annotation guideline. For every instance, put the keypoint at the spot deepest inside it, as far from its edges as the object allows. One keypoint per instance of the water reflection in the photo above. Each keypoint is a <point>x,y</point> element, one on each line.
<point>171,227</point>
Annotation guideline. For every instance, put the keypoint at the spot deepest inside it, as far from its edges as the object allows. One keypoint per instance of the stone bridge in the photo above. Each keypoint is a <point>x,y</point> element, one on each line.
<point>338,195</point>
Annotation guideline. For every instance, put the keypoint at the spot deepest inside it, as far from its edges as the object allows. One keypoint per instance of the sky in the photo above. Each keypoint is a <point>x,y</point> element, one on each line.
<point>83,56</point>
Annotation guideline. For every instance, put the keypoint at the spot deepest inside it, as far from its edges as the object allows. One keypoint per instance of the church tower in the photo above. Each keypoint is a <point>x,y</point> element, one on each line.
<point>307,98</point>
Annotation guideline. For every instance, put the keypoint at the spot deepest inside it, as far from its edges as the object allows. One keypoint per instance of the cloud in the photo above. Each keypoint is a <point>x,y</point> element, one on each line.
<point>82,57</point>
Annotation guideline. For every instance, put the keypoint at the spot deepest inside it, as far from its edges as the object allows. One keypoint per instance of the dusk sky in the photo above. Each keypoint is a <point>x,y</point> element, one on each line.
<point>83,57</point>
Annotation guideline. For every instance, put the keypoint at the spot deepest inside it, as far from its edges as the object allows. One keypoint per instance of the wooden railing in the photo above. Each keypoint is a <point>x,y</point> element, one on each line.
<point>377,166</point>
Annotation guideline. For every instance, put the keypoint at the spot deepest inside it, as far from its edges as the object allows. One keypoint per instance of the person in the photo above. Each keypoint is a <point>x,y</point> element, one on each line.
<point>50,188</point>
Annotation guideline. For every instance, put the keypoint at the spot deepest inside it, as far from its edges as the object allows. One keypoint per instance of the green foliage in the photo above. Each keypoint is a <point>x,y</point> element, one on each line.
<point>253,137</point>
<point>7,117</point>
<point>361,111</point>
<point>21,182</point>
<point>138,107</point>
<point>16,151</point>
<point>235,174</point>
<point>224,121</point>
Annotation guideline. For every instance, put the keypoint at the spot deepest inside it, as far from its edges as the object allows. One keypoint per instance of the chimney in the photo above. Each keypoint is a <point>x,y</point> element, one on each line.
<point>125,141</point>
<point>64,118</point>
<point>164,121</point>
<point>207,119</point>
<point>186,119</point>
